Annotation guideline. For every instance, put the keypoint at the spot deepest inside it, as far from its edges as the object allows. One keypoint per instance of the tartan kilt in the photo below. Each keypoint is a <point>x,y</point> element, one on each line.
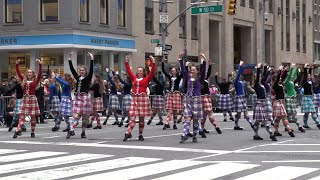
<point>206,103</point>
<point>278,108</point>
<point>174,101</point>
<point>65,106</point>
<point>30,106</point>
<point>193,107</point>
<point>55,104</point>
<point>240,104</point>
<point>316,100</point>
<point>82,104</point>
<point>97,104</point>
<point>114,102</point>
<point>17,107</point>
<point>126,101</point>
<point>291,104</point>
<point>140,105</point>
<point>307,104</point>
<point>225,102</point>
<point>260,112</point>
<point>157,102</point>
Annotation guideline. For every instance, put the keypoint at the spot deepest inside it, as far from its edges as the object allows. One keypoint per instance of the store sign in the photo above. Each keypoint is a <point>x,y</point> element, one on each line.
<point>8,41</point>
<point>104,42</point>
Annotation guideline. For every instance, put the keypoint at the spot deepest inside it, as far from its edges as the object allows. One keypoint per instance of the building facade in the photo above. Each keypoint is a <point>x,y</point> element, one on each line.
<point>50,29</point>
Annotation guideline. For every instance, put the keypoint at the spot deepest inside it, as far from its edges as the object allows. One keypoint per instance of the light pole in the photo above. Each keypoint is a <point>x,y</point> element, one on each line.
<point>263,36</point>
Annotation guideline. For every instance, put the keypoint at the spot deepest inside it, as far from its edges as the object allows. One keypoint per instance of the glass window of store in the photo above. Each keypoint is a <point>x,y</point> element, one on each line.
<point>84,10</point>
<point>13,11</point>
<point>104,11</point>
<point>49,10</point>
<point>122,13</point>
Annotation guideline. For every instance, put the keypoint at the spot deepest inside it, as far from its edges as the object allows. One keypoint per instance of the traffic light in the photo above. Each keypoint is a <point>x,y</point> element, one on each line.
<point>232,6</point>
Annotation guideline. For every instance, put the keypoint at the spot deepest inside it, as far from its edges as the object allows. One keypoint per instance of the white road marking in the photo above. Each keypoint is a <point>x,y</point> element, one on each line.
<point>280,172</point>
<point>20,166</point>
<point>210,172</point>
<point>8,151</point>
<point>51,137</point>
<point>143,171</point>
<point>315,178</point>
<point>89,168</point>
<point>293,161</point>
<point>250,152</point>
<point>32,155</point>
<point>295,144</point>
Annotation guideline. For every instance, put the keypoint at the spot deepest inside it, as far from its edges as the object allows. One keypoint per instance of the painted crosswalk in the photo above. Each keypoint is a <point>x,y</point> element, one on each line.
<point>23,164</point>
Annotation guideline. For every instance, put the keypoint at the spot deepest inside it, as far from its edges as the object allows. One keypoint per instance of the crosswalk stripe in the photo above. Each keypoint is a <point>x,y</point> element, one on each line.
<point>280,172</point>
<point>8,168</point>
<point>8,151</point>
<point>146,170</point>
<point>315,178</point>
<point>70,171</point>
<point>27,156</point>
<point>210,172</point>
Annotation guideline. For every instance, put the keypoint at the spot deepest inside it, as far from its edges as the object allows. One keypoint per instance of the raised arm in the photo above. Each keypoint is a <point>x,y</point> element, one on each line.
<point>203,71</point>
<point>61,81</point>
<point>121,80</point>
<point>295,74</point>
<point>73,71</point>
<point>183,69</point>
<point>39,71</point>
<point>258,75</point>
<point>153,68</point>
<point>165,72</point>
<point>209,71</point>
<point>240,72</point>
<point>90,74</point>
<point>18,70</point>
<point>110,79</point>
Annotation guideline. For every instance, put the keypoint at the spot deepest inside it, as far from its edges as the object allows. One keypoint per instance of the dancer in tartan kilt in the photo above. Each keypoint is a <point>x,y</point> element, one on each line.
<point>113,98</point>
<point>279,110</point>
<point>240,104</point>
<point>126,85</point>
<point>183,91</point>
<point>207,104</point>
<point>29,101</point>
<point>65,108</point>
<point>54,102</point>
<point>307,100</point>
<point>173,103</point>
<point>316,93</point>
<point>81,104</point>
<point>158,100</point>
<point>140,103</point>
<point>97,106</point>
<point>225,102</point>
<point>193,107</point>
<point>291,96</point>
<point>260,113</point>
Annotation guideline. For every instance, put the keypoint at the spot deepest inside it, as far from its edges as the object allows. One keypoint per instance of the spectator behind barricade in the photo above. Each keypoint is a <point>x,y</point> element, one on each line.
<point>12,83</point>
<point>9,112</point>
<point>40,98</point>
<point>4,88</point>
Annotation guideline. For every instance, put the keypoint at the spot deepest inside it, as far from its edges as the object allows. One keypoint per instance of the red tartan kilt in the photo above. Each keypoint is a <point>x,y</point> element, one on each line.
<point>174,101</point>
<point>278,108</point>
<point>206,103</point>
<point>97,104</point>
<point>140,105</point>
<point>30,106</point>
<point>82,104</point>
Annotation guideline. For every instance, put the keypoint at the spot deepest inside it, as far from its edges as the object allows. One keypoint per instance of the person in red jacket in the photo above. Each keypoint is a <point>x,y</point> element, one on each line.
<point>140,103</point>
<point>29,101</point>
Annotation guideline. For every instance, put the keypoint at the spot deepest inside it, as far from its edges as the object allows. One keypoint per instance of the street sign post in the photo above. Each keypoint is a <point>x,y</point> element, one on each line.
<point>164,18</point>
<point>155,41</point>
<point>158,51</point>
<point>168,47</point>
<point>206,9</point>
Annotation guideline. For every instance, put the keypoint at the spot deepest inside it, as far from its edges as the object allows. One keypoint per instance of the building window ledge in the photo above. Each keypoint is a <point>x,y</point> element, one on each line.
<point>121,27</point>
<point>49,22</point>
<point>194,38</point>
<point>182,36</point>
<point>104,25</point>
<point>150,32</point>
<point>86,23</point>
<point>12,24</point>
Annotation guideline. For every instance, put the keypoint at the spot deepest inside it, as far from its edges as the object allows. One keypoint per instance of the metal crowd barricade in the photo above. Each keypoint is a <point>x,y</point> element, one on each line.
<point>4,101</point>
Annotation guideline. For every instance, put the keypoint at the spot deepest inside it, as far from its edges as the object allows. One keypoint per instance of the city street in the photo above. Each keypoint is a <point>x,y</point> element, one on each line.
<point>103,155</point>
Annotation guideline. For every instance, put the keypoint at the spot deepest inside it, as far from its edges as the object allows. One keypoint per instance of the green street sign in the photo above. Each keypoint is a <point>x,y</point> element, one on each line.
<point>155,41</point>
<point>206,9</point>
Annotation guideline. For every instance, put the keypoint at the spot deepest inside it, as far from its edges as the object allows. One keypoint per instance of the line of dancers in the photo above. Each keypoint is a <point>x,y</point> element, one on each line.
<point>188,95</point>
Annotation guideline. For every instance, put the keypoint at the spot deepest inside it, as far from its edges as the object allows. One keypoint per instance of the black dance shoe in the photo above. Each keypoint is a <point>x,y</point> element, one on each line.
<point>141,138</point>
<point>218,130</point>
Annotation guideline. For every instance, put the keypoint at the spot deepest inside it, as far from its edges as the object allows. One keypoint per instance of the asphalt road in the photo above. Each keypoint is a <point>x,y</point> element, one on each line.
<point>103,155</point>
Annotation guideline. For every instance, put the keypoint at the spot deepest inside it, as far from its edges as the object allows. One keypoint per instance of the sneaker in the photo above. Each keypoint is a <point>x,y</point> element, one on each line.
<point>97,127</point>
<point>54,129</point>
<point>183,139</point>
<point>89,126</point>
<point>10,129</point>
<point>237,128</point>
<point>70,133</point>
<point>83,135</point>
<point>231,119</point>
<point>141,138</point>
<point>218,130</point>
<point>306,127</point>
<point>126,136</point>
<point>205,131</point>
<point>166,126</point>
<point>120,124</point>
<point>203,135</point>
<point>257,138</point>
<point>66,130</point>
<point>194,139</point>
<point>149,122</point>
<point>16,134</point>
<point>175,126</point>
<point>225,120</point>
<point>116,123</point>
<point>276,133</point>
<point>291,134</point>
<point>301,129</point>
<point>159,123</point>
<point>273,138</point>
<point>104,122</point>
<point>33,135</point>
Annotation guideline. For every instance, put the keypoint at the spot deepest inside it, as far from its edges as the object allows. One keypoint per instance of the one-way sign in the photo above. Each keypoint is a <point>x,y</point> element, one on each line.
<point>167,47</point>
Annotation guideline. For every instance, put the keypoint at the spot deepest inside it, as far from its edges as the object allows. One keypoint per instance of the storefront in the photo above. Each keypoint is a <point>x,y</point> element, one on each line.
<point>53,50</point>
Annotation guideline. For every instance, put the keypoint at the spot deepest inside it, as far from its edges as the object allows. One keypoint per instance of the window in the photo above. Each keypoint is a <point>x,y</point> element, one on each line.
<point>122,13</point>
<point>13,11</point>
<point>182,19</point>
<point>282,37</point>
<point>251,4</point>
<point>194,27</point>
<point>148,16</point>
<point>84,10</point>
<point>49,10</point>
<point>288,25</point>
<point>270,6</point>
<point>304,26</point>
<point>104,11</point>
<point>243,3</point>
<point>298,24</point>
